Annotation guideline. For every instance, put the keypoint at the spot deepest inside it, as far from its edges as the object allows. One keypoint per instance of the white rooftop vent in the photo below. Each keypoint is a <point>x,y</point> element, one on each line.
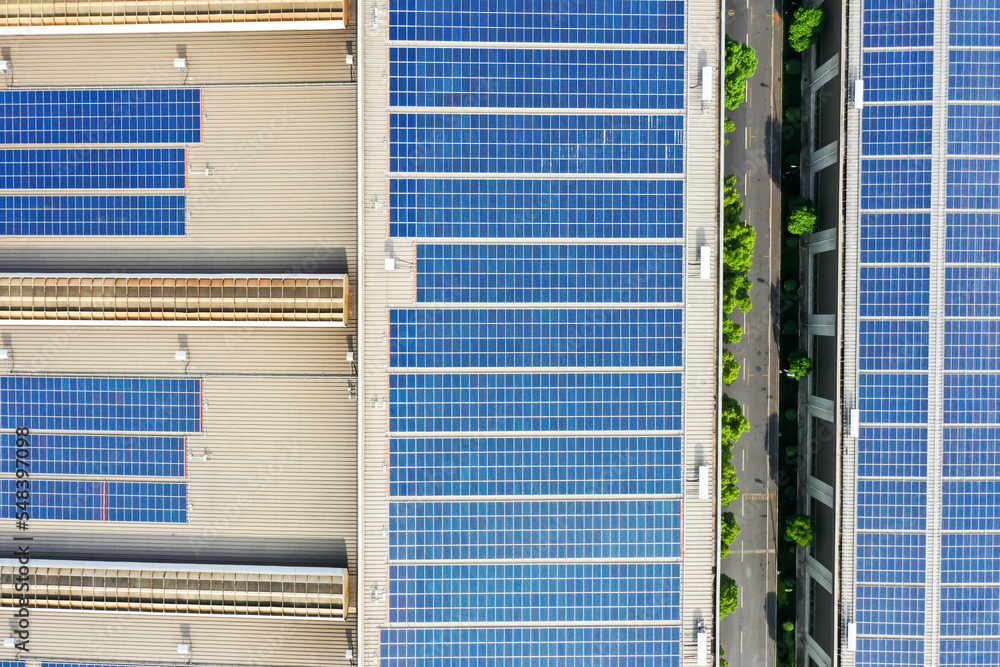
<point>706,84</point>
<point>9,642</point>
<point>706,262</point>
<point>181,63</point>
<point>4,66</point>
<point>703,483</point>
<point>390,264</point>
<point>852,636</point>
<point>855,423</point>
<point>184,648</point>
<point>181,355</point>
<point>702,638</point>
<point>859,93</point>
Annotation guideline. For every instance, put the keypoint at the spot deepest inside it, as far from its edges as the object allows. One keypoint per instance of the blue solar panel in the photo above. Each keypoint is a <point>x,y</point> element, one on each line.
<point>895,238</point>
<point>889,610</point>
<point>466,338</point>
<point>101,168</point>
<point>975,23</point>
<point>549,273</point>
<point>970,611</point>
<point>973,184</point>
<point>140,405</point>
<point>892,505</point>
<point>98,215</point>
<point>157,502</point>
<point>139,456</point>
<point>496,647</point>
<point>535,402</point>
<point>894,291</point>
<point>893,345</point>
<point>536,78</point>
<point>534,466</point>
<point>891,558</point>
<point>119,116</point>
<point>535,144</point>
<point>969,652</point>
<point>540,21</point>
<point>893,398</point>
<point>974,129</point>
<point>880,652</point>
<point>972,345</point>
<point>535,592</point>
<point>79,500</point>
<point>898,23</point>
<point>586,529</point>
<point>900,129</point>
<point>972,291</point>
<point>972,399</point>
<point>974,75</point>
<point>536,209</point>
<point>972,452</point>
<point>892,452</point>
<point>898,76</point>
<point>973,237</point>
<point>970,559</point>
<point>895,183</point>
<point>970,505</point>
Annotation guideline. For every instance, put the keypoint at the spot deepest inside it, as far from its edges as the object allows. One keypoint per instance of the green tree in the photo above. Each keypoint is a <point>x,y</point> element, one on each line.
<point>729,596</point>
<point>799,364</point>
<point>729,194</point>
<point>734,424</point>
<point>731,331</point>
<point>799,529</point>
<point>801,216</point>
<point>793,114</point>
<point>804,30</point>
<point>729,125</point>
<point>730,529</point>
<point>730,367</point>
<point>738,241</point>
<point>794,67</point>
<point>741,64</point>
<point>730,491</point>
<point>736,292</point>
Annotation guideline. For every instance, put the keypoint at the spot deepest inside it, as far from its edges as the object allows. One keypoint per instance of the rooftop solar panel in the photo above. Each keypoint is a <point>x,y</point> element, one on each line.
<point>973,184</point>
<point>893,398</point>
<point>92,116</point>
<point>970,505</point>
<point>81,500</point>
<point>975,23</point>
<point>535,144</point>
<point>896,129</point>
<point>892,452</point>
<point>78,454</point>
<point>974,75</point>
<point>514,530</point>
<point>898,23</point>
<point>893,345</point>
<point>895,184</point>
<point>536,209</point>
<point>969,652</point>
<point>451,273</point>
<point>972,451</point>
<point>972,345</point>
<point>534,466</point>
<point>899,238</point>
<point>891,558</point>
<point>536,78</point>
<point>891,505</point>
<point>894,291</point>
<point>490,402</point>
<point>974,129</point>
<point>540,21</point>
<point>898,76</point>
<point>970,611</point>
<point>973,237</point>
<point>972,291</point>
<point>880,651</point>
<point>493,647</point>
<point>970,558</point>
<point>92,215</point>
<point>138,405</point>
<point>539,338</point>
<point>92,168</point>
<point>890,610</point>
<point>972,399</point>
<point>534,592</point>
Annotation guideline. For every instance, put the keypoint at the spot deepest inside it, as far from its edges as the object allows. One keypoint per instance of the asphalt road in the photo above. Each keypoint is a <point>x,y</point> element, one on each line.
<point>748,635</point>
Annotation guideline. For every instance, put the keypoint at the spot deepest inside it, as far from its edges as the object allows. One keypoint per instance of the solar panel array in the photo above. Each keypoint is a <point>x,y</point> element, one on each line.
<point>94,140</point>
<point>535,386</point>
<point>897,379</point>
<point>99,448</point>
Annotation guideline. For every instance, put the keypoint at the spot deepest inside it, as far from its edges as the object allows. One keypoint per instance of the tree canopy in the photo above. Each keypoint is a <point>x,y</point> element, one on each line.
<point>801,216</point>
<point>736,293</point>
<point>730,367</point>
<point>805,28</point>
<point>734,424</point>
<point>741,64</point>
<point>730,529</point>
<point>799,529</point>
<point>799,364</point>
<point>731,331</point>
<point>729,595</point>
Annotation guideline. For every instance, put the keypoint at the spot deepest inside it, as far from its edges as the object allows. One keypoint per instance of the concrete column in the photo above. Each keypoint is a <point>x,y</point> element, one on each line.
<point>814,651</point>
<point>822,325</point>
<point>822,575</point>
<point>822,241</point>
<point>825,72</point>
<point>826,156</point>
<point>821,407</point>
<point>820,490</point>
